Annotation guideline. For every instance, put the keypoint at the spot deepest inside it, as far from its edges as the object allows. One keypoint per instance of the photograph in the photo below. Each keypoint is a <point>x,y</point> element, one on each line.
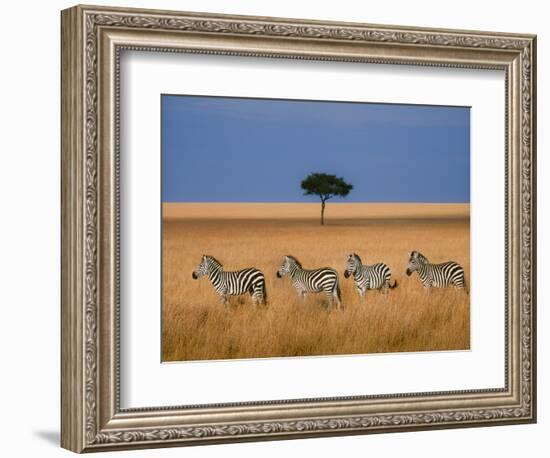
<point>295,228</point>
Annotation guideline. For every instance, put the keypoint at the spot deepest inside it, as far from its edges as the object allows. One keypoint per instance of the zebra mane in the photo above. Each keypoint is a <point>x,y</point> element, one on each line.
<point>293,259</point>
<point>213,259</point>
<point>419,256</point>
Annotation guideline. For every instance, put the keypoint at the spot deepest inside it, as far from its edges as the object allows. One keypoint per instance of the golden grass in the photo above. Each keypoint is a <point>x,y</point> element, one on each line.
<point>196,326</point>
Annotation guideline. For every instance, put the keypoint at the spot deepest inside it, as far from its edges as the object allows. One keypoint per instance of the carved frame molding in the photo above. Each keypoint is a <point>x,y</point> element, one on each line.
<point>92,39</point>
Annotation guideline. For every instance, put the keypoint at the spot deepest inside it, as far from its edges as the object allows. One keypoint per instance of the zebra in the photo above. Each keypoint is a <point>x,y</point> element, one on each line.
<point>436,275</point>
<point>305,281</point>
<point>375,276</point>
<point>250,280</point>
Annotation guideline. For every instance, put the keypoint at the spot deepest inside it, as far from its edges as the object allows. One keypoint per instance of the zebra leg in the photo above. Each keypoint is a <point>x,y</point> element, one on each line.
<point>427,283</point>
<point>259,295</point>
<point>334,297</point>
<point>254,295</point>
<point>258,299</point>
<point>330,300</point>
<point>263,294</point>
<point>461,287</point>
<point>223,296</point>
<point>255,300</point>
<point>337,299</point>
<point>461,284</point>
<point>385,287</point>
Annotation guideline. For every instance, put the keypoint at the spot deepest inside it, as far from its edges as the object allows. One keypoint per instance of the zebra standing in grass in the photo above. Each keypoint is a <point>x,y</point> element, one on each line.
<point>375,276</point>
<point>235,283</point>
<point>436,275</point>
<point>305,281</point>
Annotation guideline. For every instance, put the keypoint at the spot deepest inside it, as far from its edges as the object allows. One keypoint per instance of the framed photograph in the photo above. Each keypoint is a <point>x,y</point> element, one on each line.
<point>369,227</point>
<point>278,228</point>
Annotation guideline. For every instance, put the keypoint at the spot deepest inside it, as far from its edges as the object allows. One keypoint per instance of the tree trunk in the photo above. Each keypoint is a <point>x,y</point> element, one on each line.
<point>322,212</point>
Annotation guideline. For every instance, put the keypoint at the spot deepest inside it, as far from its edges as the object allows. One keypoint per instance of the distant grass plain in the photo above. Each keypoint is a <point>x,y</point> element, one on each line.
<point>196,326</point>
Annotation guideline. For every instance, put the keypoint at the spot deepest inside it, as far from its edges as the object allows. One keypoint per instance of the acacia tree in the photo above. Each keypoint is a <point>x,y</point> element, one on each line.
<point>326,187</point>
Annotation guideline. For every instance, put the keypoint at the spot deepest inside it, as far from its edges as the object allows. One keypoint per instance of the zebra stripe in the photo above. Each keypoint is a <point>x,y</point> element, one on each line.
<point>305,281</point>
<point>250,280</point>
<point>436,275</point>
<point>374,276</point>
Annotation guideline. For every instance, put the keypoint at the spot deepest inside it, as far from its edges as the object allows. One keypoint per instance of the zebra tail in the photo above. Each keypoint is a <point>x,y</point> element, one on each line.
<point>394,284</point>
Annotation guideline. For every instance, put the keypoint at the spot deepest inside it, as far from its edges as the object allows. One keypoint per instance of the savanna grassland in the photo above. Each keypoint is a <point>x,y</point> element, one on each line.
<point>197,326</point>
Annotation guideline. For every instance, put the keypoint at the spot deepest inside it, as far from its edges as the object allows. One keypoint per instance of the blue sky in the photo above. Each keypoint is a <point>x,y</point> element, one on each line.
<point>221,149</point>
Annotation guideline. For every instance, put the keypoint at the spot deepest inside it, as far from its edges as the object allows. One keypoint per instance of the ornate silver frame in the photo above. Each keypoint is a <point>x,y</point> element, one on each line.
<point>92,39</point>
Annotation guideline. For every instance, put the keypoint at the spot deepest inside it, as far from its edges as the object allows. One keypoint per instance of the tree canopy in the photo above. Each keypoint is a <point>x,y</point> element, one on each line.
<point>325,186</point>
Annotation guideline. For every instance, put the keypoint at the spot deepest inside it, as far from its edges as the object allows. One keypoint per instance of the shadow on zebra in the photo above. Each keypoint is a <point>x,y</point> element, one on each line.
<point>448,273</point>
<point>246,281</point>
<point>365,277</point>
<point>307,281</point>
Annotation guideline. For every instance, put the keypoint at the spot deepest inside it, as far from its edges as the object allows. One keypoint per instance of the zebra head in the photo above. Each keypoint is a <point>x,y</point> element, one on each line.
<point>353,265</point>
<point>208,263</point>
<point>289,264</point>
<point>416,261</point>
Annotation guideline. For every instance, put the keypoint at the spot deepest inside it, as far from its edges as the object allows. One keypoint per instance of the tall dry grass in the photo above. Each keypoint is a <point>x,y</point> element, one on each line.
<point>196,326</point>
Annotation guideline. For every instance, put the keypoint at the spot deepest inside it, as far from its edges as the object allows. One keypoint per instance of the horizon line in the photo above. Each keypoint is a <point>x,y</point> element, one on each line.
<point>311,203</point>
